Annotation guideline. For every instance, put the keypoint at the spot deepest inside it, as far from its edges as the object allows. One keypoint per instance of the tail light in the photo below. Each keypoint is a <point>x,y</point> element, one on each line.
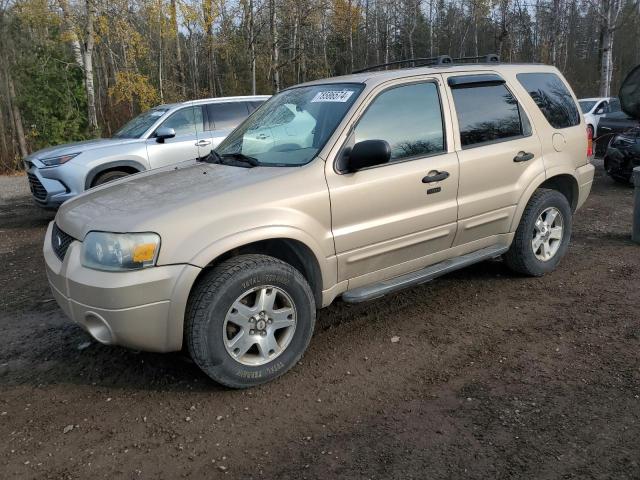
<point>589,142</point>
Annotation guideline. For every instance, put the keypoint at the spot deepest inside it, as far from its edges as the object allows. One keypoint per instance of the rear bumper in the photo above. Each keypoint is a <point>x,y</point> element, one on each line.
<point>584,176</point>
<point>141,309</point>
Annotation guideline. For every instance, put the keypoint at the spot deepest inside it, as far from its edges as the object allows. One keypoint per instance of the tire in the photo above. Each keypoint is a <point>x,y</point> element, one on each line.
<point>521,256</point>
<point>210,328</point>
<point>109,176</point>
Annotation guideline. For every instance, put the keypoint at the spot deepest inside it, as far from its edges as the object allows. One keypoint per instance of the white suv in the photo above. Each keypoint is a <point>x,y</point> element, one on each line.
<point>162,136</point>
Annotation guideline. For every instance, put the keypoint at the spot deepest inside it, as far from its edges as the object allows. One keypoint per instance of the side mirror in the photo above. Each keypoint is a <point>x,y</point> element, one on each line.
<point>368,153</point>
<point>163,133</point>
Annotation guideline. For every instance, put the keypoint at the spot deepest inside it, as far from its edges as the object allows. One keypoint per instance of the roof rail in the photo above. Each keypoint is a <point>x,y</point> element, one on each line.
<point>439,60</point>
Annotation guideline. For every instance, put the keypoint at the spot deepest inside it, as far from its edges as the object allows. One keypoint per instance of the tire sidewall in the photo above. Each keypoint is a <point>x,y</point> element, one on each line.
<point>109,177</point>
<point>559,201</point>
<point>218,363</point>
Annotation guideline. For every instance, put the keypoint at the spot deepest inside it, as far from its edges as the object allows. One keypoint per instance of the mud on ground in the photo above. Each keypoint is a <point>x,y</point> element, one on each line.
<point>494,376</point>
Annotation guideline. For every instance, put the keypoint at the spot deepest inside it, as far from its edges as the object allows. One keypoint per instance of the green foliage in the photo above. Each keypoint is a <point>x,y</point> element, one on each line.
<point>52,98</point>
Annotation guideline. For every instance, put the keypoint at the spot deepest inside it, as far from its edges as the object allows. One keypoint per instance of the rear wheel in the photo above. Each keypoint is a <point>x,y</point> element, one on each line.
<point>109,176</point>
<point>543,235</point>
<point>249,320</point>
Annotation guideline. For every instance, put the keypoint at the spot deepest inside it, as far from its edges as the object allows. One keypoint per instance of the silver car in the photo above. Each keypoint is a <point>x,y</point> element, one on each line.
<point>164,135</point>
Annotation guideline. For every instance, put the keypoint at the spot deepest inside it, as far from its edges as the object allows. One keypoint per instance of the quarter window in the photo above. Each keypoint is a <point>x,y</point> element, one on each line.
<point>409,118</point>
<point>225,116</point>
<point>552,97</point>
<point>487,113</point>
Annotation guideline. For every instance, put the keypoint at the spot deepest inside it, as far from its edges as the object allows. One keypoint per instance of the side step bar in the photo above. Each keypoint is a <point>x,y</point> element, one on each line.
<point>369,292</point>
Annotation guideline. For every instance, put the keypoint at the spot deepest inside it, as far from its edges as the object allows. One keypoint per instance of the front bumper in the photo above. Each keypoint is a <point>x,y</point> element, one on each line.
<point>620,162</point>
<point>47,187</point>
<point>142,309</point>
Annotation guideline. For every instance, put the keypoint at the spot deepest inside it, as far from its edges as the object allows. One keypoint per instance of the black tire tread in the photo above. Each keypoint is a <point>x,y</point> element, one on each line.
<point>214,280</point>
<point>514,258</point>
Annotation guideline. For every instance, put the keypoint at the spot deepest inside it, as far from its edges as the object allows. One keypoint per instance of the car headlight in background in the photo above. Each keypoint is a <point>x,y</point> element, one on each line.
<point>55,161</point>
<point>120,251</point>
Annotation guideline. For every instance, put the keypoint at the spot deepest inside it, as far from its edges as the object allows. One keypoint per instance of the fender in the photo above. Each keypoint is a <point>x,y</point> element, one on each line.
<point>533,186</point>
<point>95,171</point>
<point>328,264</point>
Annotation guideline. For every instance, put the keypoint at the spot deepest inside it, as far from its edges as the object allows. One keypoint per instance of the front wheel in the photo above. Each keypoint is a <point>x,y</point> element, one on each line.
<point>543,235</point>
<point>249,320</point>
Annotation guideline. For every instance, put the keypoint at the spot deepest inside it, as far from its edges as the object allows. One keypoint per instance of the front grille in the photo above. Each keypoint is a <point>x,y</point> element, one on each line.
<point>37,189</point>
<point>60,242</point>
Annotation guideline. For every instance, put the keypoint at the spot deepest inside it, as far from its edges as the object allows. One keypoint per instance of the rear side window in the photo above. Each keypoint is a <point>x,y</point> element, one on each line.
<point>552,97</point>
<point>487,113</point>
<point>224,116</point>
<point>409,118</point>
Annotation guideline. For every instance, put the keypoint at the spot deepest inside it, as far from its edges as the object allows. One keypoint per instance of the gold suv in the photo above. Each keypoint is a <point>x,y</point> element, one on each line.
<point>354,186</point>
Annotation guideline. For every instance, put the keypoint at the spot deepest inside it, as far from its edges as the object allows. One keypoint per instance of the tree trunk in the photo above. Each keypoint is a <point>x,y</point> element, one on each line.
<point>609,16</point>
<point>71,33</point>
<point>17,117</point>
<point>208,7</point>
<point>160,52</point>
<point>88,69</point>
<point>252,47</point>
<point>275,47</point>
<point>179,65</point>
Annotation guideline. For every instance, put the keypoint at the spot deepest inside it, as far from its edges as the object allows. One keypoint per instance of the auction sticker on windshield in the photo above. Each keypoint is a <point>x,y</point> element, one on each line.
<point>340,96</point>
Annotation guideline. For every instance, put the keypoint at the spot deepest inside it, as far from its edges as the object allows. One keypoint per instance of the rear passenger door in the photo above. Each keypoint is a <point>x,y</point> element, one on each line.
<point>499,154</point>
<point>223,118</point>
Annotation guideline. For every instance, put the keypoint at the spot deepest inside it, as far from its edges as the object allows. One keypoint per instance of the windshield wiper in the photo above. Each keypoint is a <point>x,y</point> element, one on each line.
<point>232,159</point>
<point>241,157</point>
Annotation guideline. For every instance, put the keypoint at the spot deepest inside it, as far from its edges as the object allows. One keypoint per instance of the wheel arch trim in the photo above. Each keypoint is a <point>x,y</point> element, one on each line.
<point>322,268</point>
<point>556,179</point>
<point>98,169</point>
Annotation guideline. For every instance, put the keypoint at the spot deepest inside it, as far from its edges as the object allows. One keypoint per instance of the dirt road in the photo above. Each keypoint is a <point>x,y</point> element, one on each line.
<point>494,376</point>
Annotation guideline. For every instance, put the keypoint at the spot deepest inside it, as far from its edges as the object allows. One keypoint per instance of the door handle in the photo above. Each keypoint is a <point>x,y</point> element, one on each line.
<point>203,143</point>
<point>523,157</point>
<point>435,177</point>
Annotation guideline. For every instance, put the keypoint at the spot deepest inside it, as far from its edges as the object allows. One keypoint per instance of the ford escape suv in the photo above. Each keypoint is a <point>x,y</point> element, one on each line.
<point>352,187</point>
<point>162,136</point>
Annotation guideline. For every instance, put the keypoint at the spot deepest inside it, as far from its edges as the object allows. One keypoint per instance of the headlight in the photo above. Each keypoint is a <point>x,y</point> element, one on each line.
<point>55,161</point>
<point>120,251</point>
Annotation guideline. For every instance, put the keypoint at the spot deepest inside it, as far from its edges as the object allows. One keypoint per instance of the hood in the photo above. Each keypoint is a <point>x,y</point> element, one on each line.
<point>78,147</point>
<point>139,202</point>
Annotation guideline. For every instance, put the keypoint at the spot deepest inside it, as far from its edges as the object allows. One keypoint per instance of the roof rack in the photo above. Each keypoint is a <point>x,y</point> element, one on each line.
<point>439,60</point>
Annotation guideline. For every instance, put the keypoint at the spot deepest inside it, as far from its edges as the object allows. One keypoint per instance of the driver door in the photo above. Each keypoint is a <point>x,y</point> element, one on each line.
<point>190,141</point>
<point>390,219</point>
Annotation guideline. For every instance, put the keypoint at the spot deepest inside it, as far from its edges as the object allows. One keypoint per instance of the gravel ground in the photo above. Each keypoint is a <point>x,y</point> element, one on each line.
<point>493,376</point>
<point>13,187</point>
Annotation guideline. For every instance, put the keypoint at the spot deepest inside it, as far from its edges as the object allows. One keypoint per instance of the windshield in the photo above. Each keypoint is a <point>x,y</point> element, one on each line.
<point>136,127</point>
<point>292,126</point>
<point>586,106</point>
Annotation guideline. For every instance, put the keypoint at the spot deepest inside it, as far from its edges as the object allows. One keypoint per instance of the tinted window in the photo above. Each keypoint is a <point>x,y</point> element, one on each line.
<point>184,121</point>
<point>487,113</point>
<point>407,117</point>
<point>224,116</point>
<point>552,97</point>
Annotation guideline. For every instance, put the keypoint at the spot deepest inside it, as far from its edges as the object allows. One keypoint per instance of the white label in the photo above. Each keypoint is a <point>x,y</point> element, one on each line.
<point>340,96</point>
